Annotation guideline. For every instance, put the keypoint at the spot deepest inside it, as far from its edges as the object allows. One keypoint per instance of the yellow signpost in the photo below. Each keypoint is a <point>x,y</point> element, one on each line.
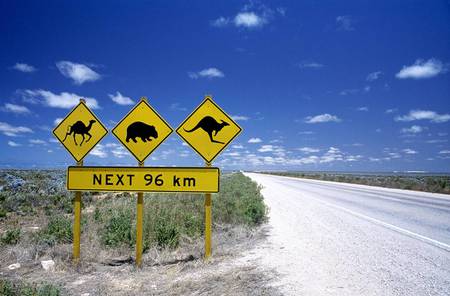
<point>79,132</point>
<point>208,130</point>
<point>143,179</point>
<point>141,131</point>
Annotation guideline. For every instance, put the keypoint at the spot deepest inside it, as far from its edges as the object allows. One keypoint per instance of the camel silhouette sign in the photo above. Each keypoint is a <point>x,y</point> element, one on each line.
<point>80,131</point>
<point>208,130</point>
<point>142,130</point>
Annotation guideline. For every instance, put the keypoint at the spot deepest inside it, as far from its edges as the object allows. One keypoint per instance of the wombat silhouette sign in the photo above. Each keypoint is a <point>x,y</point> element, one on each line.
<point>142,130</point>
<point>208,130</point>
<point>80,131</point>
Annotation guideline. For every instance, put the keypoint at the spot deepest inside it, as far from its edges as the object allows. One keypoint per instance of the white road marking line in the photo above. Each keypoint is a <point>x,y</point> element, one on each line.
<point>431,241</point>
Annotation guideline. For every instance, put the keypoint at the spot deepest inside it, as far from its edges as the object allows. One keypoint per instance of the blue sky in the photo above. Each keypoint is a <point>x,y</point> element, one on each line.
<point>329,85</point>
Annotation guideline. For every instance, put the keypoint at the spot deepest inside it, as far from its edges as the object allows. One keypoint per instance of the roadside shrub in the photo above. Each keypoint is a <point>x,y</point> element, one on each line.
<point>3,213</point>
<point>239,201</point>
<point>8,288</point>
<point>11,237</point>
<point>166,231</point>
<point>58,230</point>
<point>118,228</point>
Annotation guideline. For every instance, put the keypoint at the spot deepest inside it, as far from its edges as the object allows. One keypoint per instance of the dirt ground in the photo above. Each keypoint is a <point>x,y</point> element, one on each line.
<point>181,272</point>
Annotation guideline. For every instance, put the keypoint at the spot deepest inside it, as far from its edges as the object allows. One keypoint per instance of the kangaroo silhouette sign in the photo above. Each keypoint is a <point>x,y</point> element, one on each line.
<point>142,130</point>
<point>210,126</point>
<point>80,131</point>
<point>208,130</point>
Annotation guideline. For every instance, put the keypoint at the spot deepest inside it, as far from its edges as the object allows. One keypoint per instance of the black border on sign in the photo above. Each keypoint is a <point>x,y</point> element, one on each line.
<point>208,98</point>
<point>93,115</point>
<point>159,116</point>
<point>142,168</point>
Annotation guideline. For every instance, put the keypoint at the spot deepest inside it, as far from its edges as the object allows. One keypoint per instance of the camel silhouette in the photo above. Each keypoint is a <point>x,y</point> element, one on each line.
<point>209,125</point>
<point>81,129</point>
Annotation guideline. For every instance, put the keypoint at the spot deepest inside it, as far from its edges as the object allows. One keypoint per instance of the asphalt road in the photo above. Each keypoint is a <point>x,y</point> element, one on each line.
<point>327,238</point>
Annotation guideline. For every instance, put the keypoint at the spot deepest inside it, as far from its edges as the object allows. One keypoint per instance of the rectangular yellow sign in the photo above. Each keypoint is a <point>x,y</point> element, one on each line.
<point>148,179</point>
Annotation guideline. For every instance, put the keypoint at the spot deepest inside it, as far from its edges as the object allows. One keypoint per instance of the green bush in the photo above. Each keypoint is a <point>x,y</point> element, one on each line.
<point>7,288</point>
<point>11,237</point>
<point>169,217</point>
<point>58,230</point>
<point>166,231</point>
<point>239,201</point>
<point>118,228</point>
<point>3,213</point>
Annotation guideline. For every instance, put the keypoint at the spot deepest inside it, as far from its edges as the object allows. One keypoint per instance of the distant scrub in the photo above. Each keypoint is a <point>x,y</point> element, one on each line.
<point>436,184</point>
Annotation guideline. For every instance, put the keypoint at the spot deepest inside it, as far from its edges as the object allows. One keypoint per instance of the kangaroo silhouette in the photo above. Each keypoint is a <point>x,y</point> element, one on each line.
<point>80,129</point>
<point>209,125</point>
<point>141,130</point>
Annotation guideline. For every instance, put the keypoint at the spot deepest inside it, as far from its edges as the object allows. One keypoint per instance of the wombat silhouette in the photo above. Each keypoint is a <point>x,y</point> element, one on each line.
<point>209,125</point>
<point>80,129</point>
<point>141,130</point>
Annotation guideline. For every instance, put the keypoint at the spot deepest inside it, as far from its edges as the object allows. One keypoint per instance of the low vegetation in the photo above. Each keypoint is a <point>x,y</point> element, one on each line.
<point>36,221</point>
<point>419,182</point>
<point>9,288</point>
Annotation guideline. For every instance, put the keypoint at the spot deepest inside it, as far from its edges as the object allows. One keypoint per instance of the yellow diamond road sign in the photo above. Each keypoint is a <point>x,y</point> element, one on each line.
<point>80,131</point>
<point>208,130</point>
<point>142,130</point>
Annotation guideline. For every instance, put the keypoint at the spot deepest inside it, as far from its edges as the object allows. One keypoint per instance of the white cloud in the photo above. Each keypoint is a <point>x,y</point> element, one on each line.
<point>99,151</point>
<point>424,115</point>
<point>422,69</point>
<point>220,22</point>
<point>237,146</point>
<point>254,140</point>
<point>177,107</point>
<point>333,154</point>
<point>322,118</point>
<point>22,67</point>
<point>374,76</point>
<point>308,150</point>
<point>388,111</point>
<point>345,23</point>
<point>37,142</point>
<point>13,131</point>
<point>436,141</point>
<point>14,144</point>
<point>308,64</point>
<point>415,129</point>
<point>63,100</point>
<point>240,117</point>
<point>444,152</point>
<point>363,109</point>
<point>118,98</point>
<point>249,20</point>
<point>13,108</point>
<point>409,151</point>
<point>57,121</point>
<point>266,148</point>
<point>79,73</point>
<point>119,152</point>
<point>207,73</point>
